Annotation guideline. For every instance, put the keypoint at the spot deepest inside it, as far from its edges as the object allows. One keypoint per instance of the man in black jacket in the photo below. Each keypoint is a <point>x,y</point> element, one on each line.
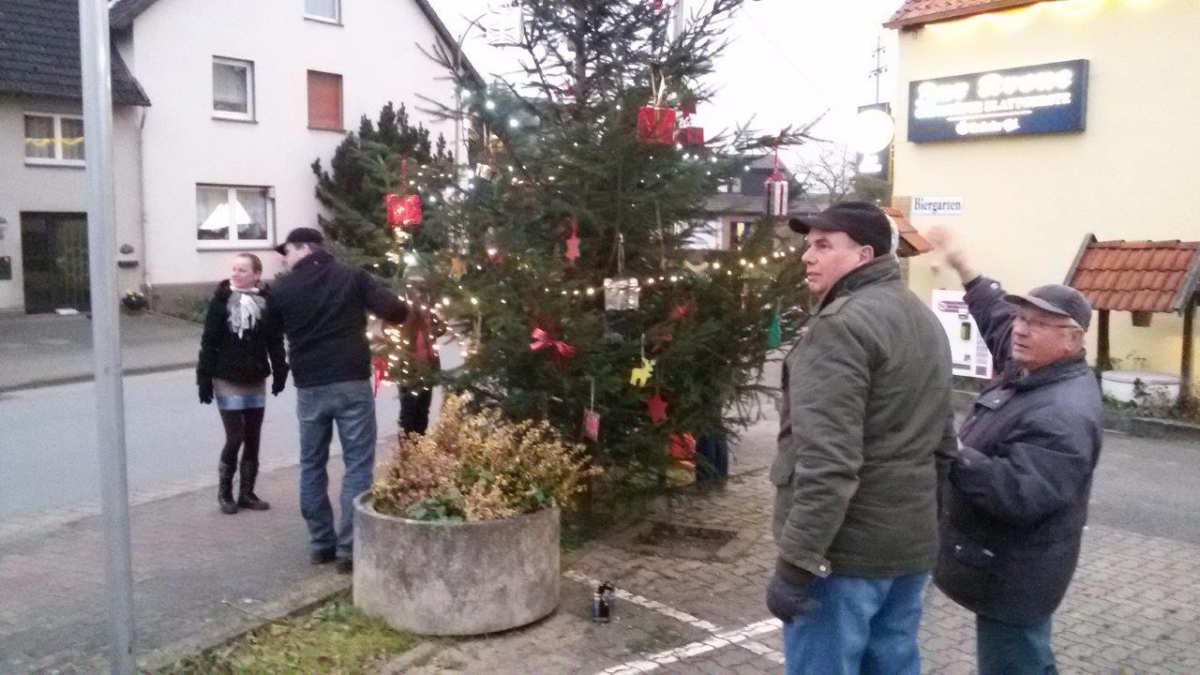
<point>1014,510</point>
<point>321,306</point>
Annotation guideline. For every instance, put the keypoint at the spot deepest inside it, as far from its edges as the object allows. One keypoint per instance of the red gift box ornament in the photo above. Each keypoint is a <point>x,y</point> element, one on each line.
<point>777,195</point>
<point>656,123</point>
<point>403,211</point>
<point>689,134</point>
<point>777,191</point>
<point>410,211</point>
<point>656,126</point>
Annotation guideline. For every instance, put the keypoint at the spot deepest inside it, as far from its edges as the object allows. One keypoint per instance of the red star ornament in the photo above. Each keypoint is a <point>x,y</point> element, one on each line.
<point>573,242</point>
<point>656,408</point>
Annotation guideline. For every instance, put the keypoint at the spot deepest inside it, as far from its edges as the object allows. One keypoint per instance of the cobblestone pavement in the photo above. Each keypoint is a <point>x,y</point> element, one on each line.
<point>690,601</point>
<point>697,606</point>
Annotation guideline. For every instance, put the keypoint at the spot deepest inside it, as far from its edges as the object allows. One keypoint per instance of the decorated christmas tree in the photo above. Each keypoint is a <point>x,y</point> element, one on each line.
<point>565,261</point>
<point>367,166</point>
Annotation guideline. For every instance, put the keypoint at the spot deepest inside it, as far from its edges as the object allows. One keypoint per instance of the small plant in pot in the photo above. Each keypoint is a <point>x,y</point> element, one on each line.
<point>459,533</point>
<point>134,301</point>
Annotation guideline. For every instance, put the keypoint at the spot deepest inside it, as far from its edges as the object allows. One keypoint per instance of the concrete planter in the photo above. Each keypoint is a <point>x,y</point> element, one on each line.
<point>432,578</point>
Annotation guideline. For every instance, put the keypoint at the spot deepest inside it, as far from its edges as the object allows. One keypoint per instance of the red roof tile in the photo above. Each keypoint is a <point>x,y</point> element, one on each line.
<point>918,12</point>
<point>1137,276</point>
<point>911,241</point>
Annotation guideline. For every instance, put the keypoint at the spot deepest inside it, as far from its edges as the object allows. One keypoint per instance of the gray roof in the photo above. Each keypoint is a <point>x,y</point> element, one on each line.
<point>734,204</point>
<point>39,53</point>
<point>123,12</point>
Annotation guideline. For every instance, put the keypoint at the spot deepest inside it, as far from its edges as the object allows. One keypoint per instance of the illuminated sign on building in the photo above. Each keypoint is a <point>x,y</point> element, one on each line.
<point>874,130</point>
<point>1042,99</point>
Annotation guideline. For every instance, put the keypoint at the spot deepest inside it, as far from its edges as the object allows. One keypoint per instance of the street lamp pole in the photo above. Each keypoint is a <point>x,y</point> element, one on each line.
<point>679,18</point>
<point>110,398</point>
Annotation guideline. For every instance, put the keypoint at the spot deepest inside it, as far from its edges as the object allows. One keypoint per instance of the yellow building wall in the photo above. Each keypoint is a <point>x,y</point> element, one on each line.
<point>1030,200</point>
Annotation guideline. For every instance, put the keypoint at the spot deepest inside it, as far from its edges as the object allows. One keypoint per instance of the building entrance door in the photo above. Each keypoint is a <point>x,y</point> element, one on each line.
<point>54,252</point>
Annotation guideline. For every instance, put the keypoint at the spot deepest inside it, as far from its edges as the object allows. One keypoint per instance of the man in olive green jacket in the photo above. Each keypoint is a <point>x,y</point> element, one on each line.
<point>865,413</point>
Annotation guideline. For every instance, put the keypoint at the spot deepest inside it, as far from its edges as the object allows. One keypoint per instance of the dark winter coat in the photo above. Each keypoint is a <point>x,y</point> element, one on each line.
<point>865,412</point>
<point>322,307</point>
<point>248,359</point>
<point>1017,500</point>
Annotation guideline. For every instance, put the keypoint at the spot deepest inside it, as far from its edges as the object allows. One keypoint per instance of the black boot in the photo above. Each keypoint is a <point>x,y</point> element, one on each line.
<point>225,489</point>
<point>246,496</point>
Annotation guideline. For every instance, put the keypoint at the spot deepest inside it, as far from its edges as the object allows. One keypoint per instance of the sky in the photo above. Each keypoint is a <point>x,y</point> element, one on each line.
<point>789,61</point>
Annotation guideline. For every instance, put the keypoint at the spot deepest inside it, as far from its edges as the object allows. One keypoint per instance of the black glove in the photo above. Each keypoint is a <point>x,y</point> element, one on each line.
<point>787,593</point>
<point>278,381</point>
<point>206,389</point>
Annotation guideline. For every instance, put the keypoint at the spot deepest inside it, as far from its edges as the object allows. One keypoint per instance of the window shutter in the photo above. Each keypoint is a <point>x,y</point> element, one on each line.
<point>324,101</point>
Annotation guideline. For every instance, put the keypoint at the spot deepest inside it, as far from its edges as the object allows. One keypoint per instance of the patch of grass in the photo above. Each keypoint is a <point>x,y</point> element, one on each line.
<point>335,638</point>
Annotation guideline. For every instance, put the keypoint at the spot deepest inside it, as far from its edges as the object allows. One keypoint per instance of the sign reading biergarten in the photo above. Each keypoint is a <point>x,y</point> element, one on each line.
<point>1042,99</point>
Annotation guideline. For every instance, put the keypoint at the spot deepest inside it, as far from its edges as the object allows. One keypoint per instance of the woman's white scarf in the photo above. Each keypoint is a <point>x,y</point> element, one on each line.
<point>245,309</point>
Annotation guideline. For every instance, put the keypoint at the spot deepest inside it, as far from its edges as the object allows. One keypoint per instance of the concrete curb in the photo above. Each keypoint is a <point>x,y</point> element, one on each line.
<point>1142,427</point>
<point>75,379</point>
<point>413,658</point>
<point>297,604</point>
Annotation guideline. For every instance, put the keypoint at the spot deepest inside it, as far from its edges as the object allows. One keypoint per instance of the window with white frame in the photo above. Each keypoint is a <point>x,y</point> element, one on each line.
<point>54,139</point>
<point>233,89</point>
<point>234,215</point>
<point>323,10</point>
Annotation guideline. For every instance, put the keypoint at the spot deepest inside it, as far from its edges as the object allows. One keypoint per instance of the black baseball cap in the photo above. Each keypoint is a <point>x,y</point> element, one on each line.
<point>864,222</point>
<point>301,235</point>
<point>1057,299</point>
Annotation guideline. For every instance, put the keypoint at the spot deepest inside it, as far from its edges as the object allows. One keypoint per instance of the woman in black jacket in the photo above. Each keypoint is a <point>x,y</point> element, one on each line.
<point>237,353</point>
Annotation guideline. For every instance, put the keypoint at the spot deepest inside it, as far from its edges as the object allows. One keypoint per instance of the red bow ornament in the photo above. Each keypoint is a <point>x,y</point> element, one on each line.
<point>683,450</point>
<point>542,340</point>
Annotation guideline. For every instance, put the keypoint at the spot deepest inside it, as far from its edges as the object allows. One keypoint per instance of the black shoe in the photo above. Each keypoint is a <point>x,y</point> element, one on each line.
<point>345,565</point>
<point>247,473</point>
<point>225,489</point>
<point>322,556</point>
<point>252,502</point>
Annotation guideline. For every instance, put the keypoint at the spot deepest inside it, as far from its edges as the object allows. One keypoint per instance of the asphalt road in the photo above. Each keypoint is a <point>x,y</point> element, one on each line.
<point>48,451</point>
<point>48,455</point>
<point>1148,486</point>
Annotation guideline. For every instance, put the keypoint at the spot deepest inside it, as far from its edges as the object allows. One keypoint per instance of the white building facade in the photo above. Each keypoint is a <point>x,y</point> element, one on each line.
<point>244,96</point>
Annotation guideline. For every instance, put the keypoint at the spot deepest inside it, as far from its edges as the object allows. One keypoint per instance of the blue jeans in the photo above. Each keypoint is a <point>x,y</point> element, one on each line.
<point>863,627</point>
<point>1007,649</point>
<point>352,406</point>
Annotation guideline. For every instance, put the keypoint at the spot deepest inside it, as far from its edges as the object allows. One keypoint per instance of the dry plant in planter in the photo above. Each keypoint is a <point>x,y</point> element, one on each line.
<point>479,465</point>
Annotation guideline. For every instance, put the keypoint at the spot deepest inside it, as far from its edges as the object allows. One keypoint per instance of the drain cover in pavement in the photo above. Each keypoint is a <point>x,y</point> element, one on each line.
<point>680,540</point>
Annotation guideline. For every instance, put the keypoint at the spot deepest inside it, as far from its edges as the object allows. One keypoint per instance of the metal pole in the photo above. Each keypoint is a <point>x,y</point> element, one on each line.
<point>679,19</point>
<point>110,402</point>
<point>878,65</point>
